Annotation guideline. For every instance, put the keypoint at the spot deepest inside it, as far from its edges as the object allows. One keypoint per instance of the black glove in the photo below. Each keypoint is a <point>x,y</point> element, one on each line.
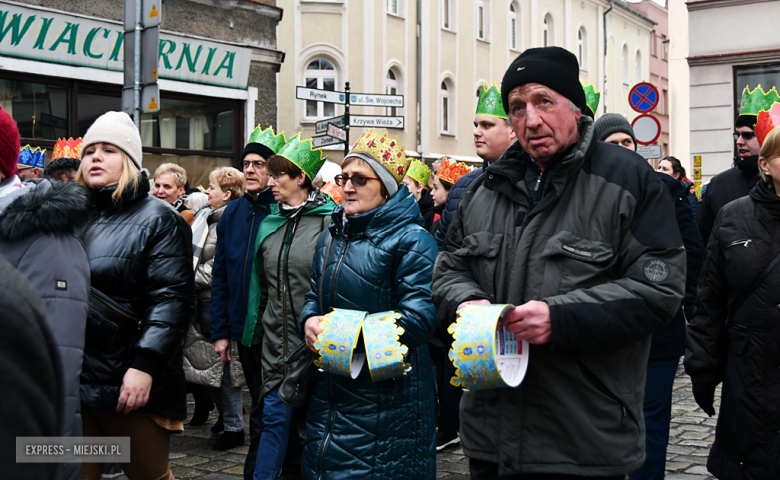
<point>704,393</point>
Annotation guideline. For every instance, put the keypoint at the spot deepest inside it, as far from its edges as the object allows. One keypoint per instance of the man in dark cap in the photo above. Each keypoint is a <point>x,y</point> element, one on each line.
<point>614,128</point>
<point>576,234</point>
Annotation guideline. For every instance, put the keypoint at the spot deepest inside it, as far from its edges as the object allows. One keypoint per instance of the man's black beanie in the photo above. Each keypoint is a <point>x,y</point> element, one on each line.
<point>746,121</point>
<point>553,67</point>
<point>259,149</point>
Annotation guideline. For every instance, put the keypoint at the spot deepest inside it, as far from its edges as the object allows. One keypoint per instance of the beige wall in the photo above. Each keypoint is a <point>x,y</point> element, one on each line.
<point>364,41</point>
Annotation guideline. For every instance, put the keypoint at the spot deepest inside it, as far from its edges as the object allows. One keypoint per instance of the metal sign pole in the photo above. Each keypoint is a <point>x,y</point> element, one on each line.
<point>346,119</point>
<point>137,66</point>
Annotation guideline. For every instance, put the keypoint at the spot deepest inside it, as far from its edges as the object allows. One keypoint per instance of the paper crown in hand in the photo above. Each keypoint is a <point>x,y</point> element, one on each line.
<point>757,100</point>
<point>452,171</point>
<point>29,158</point>
<point>592,98</point>
<point>490,102</point>
<point>419,172</point>
<point>767,121</point>
<point>384,149</point>
<point>333,191</point>
<point>67,149</point>
<point>301,154</point>
<point>268,138</point>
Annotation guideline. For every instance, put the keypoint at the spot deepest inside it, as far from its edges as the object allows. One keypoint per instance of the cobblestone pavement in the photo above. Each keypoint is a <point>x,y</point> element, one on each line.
<point>690,437</point>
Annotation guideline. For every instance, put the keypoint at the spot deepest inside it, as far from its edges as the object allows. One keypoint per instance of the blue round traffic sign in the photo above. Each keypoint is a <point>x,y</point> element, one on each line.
<point>643,97</point>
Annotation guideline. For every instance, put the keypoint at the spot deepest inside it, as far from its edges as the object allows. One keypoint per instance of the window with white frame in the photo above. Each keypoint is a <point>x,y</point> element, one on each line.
<point>393,6</point>
<point>513,25</point>
<point>624,63</point>
<point>482,20</point>
<point>638,66</point>
<point>582,48</point>
<point>445,106</point>
<point>446,13</point>
<point>652,44</point>
<point>548,31</point>
<point>320,74</point>
<point>392,88</point>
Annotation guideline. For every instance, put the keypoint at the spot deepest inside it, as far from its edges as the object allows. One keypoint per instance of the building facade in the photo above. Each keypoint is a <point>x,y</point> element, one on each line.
<point>730,45</point>
<point>62,64</point>
<point>438,53</point>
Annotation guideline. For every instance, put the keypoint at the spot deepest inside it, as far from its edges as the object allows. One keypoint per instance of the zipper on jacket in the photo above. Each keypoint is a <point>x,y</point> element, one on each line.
<point>248,247</point>
<point>538,182</point>
<point>284,289</point>
<point>625,417</point>
<point>336,273</point>
<point>744,243</point>
<point>330,423</point>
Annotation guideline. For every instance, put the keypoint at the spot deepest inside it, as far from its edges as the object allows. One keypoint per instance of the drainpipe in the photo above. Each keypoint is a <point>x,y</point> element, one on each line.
<point>606,66</point>
<point>419,79</point>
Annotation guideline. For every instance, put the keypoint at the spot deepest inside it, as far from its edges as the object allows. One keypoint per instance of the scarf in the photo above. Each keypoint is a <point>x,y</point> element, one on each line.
<point>9,185</point>
<point>290,212</point>
<point>200,231</point>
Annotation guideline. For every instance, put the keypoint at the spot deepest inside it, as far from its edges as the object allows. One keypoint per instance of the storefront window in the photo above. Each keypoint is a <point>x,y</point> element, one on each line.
<point>186,125</point>
<point>40,110</point>
<point>91,106</point>
<point>767,75</point>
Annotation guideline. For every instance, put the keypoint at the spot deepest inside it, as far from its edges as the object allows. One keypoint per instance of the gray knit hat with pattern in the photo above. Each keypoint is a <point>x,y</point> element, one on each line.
<point>116,128</point>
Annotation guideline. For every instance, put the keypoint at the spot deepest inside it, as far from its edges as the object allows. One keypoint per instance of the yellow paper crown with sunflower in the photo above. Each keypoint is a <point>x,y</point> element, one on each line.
<point>452,171</point>
<point>385,149</point>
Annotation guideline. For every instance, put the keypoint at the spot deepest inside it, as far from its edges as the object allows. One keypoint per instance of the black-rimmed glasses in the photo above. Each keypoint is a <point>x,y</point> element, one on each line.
<point>358,179</point>
<point>256,164</point>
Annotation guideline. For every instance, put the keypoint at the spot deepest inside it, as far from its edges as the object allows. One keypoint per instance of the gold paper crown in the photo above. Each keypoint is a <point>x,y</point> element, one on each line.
<point>384,149</point>
<point>452,171</point>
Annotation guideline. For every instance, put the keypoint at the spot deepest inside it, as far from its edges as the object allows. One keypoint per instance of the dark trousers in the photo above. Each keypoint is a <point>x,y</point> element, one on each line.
<point>250,361</point>
<point>482,470</point>
<point>658,414</point>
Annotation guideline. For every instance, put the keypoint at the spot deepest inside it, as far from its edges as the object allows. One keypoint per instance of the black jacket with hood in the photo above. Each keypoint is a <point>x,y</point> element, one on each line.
<point>140,255</point>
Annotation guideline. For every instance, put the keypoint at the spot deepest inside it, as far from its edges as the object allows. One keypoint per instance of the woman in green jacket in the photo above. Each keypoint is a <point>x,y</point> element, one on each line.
<point>280,279</point>
<point>376,256</point>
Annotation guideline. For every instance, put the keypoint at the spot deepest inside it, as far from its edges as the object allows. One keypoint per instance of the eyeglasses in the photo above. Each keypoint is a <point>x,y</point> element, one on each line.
<point>746,135</point>
<point>358,179</point>
<point>256,164</point>
<point>277,176</point>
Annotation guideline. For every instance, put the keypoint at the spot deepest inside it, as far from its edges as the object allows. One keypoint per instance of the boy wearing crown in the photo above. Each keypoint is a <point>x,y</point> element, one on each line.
<point>737,182</point>
<point>66,160</point>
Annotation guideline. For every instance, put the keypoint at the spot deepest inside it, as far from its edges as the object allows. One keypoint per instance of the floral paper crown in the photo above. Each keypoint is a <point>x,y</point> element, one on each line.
<point>452,171</point>
<point>29,158</point>
<point>384,149</point>
<point>268,138</point>
<point>592,97</point>
<point>333,190</point>
<point>490,102</point>
<point>67,149</point>
<point>301,154</point>
<point>419,172</point>
<point>757,100</point>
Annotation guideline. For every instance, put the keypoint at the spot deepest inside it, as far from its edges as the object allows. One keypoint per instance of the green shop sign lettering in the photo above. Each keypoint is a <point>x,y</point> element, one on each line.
<point>39,34</point>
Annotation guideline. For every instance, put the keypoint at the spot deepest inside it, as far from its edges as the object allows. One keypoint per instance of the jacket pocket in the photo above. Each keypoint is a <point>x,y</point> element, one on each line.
<point>481,251</point>
<point>574,260</point>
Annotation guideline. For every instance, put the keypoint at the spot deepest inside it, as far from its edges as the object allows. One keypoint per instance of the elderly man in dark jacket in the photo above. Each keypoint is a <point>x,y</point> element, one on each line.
<point>576,233</point>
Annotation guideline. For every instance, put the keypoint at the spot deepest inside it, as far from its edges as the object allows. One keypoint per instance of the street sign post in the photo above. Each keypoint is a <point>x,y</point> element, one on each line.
<point>324,140</point>
<point>150,47</point>
<point>374,100</point>
<point>643,97</point>
<point>337,132</point>
<point>649,151</point>
<point>142,43</point>
<point>303,93</point>
<point>647,129</point>
<point>377,121</point>
<point>150,14</point>
<point>150,99</point>
<point>322,125</point>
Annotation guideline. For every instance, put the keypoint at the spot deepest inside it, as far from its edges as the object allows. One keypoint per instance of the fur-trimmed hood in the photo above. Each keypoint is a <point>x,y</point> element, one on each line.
<point>45,207</point>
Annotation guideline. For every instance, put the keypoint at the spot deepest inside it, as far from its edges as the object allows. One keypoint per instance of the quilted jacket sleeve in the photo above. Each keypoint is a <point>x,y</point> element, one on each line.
<point>415,255</point>
<point>168,292</point>
<point>645,295</point>
<point>203,272</point>
<point>705,344</point>
<point>219,287</point>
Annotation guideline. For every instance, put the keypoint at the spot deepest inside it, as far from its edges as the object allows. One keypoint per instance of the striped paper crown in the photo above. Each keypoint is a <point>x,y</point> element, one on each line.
<point>419,172</point>
<point>757,100</point>
<point>29,158</point>
<point>452,171</point>
<point>67,149</point>
<point>592,98</point>
<point>385,150</point>
<point>268,138</point>
<point>490,102</point>
<point>300,153</point>
<point>767,121</point>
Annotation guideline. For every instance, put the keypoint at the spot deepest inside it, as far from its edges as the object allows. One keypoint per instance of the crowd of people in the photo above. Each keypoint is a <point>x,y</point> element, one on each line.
<point>148,291</point>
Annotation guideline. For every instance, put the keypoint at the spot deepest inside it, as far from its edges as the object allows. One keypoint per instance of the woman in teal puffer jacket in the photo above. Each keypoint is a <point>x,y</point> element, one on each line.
<point>379,258</point>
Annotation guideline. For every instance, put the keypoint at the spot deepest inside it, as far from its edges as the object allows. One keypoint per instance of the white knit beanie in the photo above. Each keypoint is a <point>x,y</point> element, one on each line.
<point>118,129</point>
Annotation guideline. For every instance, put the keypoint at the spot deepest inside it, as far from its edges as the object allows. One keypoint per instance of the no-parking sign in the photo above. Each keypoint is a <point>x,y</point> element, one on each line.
<point>647,129</point>
<point>643,97</point>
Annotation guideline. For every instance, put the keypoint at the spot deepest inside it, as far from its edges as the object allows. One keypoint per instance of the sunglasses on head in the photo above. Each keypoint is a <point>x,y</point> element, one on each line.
<point>358,179</point>
<point>745,135</point>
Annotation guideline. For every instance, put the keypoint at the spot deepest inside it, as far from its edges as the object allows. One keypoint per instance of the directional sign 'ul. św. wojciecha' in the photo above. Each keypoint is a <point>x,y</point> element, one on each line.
<point>643,97</point>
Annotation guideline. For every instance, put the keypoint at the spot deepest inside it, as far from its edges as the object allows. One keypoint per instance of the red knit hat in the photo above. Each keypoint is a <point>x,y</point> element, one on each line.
<point>9,144</point>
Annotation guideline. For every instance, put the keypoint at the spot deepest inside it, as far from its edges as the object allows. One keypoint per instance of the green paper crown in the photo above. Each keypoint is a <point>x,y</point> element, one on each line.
<point>490,102</point>
<point>300,153</point>
<point>755,101</point>
<point>592,97</point>
<point>268,138</point>
<point>419,172</point>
